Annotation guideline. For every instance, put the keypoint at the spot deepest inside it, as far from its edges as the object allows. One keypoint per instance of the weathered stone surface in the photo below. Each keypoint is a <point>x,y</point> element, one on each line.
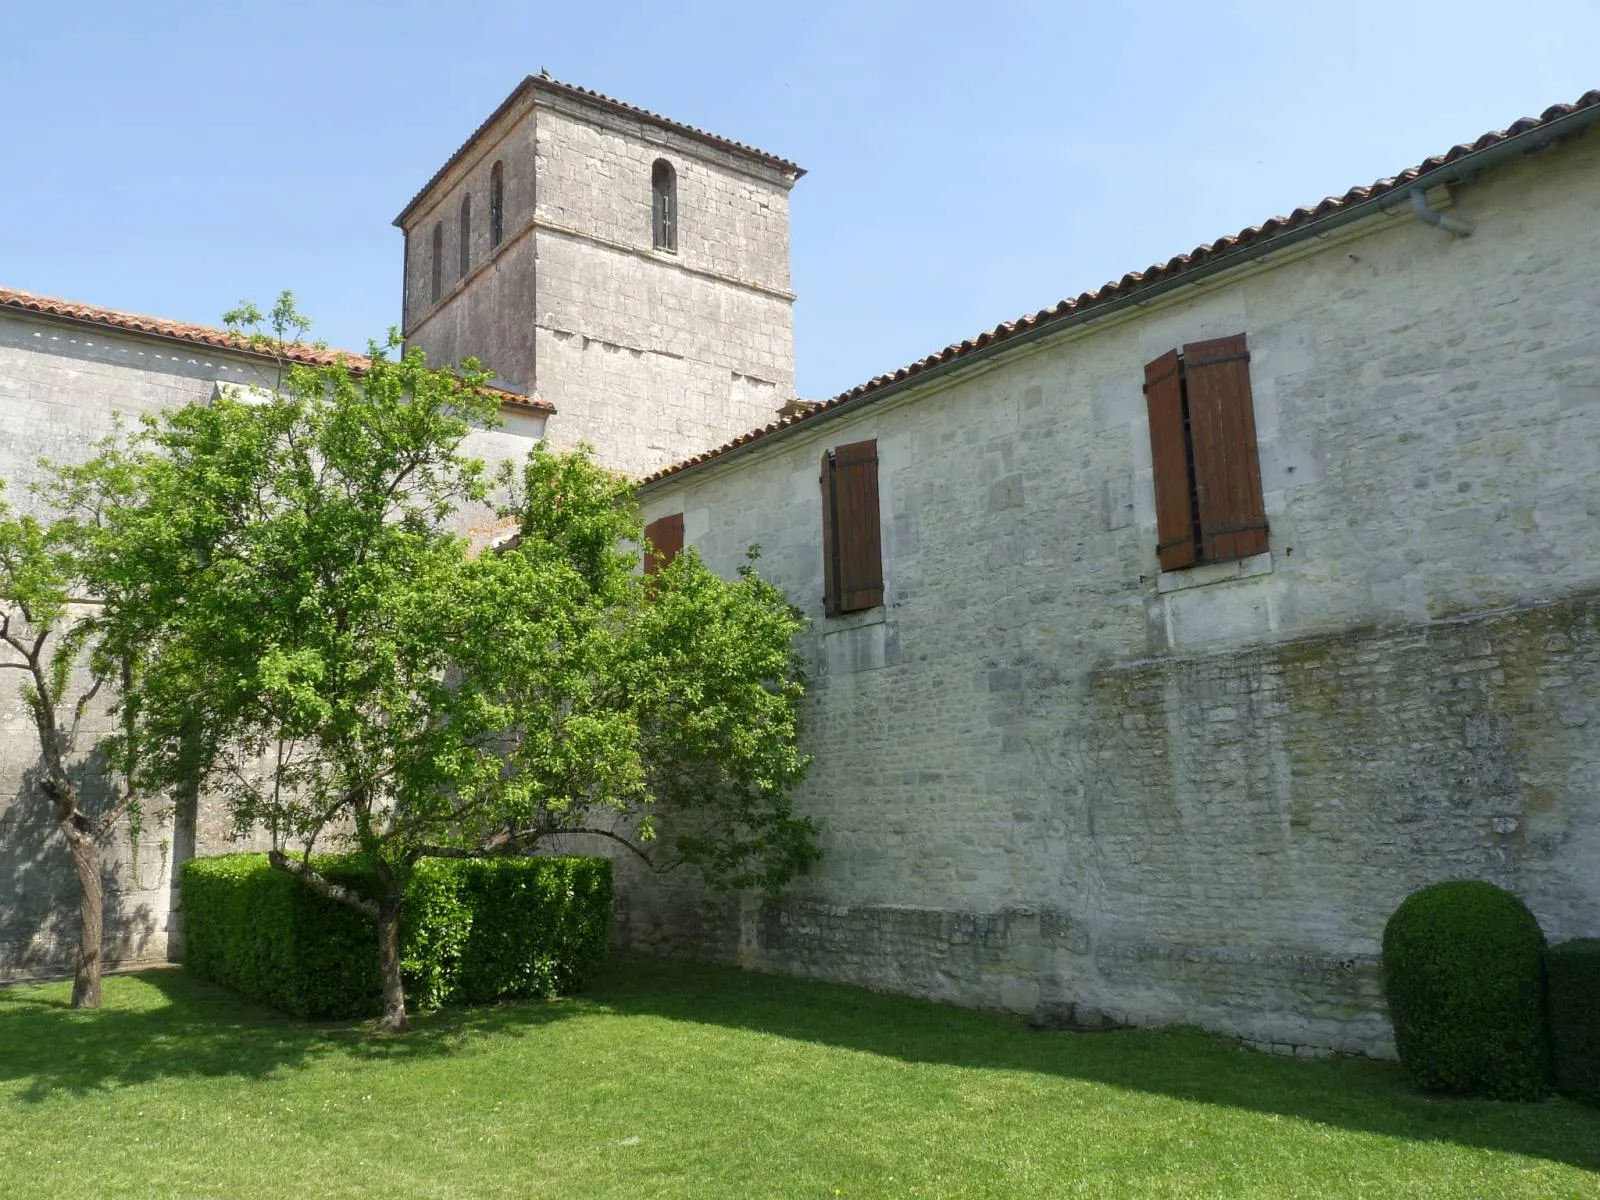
<point>1051,778</point>
<point>648,355</point>
<point>1197,797</point>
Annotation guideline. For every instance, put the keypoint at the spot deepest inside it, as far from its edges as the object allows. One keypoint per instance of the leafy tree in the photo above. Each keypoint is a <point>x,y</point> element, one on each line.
<point>65,664</point>
<point>340,666</point>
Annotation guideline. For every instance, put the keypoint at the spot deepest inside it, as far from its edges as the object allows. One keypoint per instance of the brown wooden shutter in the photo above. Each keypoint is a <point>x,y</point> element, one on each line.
<point>664,538</point>
<point>830,540</point>
<point>1163,392</point>
<point>1227,467</point>
<point>852,544</point>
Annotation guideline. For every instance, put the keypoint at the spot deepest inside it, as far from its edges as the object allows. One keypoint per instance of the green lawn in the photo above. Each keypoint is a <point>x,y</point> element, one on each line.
<point>671,1080</point>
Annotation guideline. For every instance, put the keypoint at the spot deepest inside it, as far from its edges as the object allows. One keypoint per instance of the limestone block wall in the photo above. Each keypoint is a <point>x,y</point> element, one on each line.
<point>60,387</point>
<point>658,364</point>
<point>488,316</point>
<point>594,179</point>
<point>648,354</point>
<point>1050,774</point>
<point>509,142</point>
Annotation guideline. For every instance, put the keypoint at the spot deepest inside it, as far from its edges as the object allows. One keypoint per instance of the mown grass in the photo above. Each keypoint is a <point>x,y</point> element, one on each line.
<point>668,1080</point>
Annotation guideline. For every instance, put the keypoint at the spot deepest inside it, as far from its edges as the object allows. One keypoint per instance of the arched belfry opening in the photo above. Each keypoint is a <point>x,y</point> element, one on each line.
<point>664,195</point>
<point>497,204</point>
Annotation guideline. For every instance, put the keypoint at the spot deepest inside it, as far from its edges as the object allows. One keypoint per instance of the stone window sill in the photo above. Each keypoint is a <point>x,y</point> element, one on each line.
<point>1209,573</point>
<point>854,620</point>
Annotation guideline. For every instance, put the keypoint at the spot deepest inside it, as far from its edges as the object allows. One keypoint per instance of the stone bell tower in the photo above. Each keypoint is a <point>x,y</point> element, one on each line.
<point>630,270</point>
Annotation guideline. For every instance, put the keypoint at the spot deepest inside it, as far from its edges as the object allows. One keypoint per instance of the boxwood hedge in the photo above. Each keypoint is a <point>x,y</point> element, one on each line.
<point>1573,973</point>
<point>1463,973</point>
<point>471,930</point>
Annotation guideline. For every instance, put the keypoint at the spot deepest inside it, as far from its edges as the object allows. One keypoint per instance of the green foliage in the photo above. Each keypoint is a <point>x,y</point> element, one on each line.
<point>325,619</point>
<point>676,694</point>
<point>472,931</point>
<point>339,665</point>
<point>538,925</point>
<point>299,551</point>
<point>1462,970</point>
<point>1572,972</point>
<point>263,933</point>
<point>287,323</point>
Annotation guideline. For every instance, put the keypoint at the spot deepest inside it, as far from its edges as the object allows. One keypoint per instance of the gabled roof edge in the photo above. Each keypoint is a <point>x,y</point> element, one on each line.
<point>1459,162</point>
<point>543,82</point>
<point>182,333</point>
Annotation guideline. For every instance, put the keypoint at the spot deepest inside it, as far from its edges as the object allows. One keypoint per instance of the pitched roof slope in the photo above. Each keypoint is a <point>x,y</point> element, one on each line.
<point>544,82</point>
<point>207,336</point>
<point>1554,122</point>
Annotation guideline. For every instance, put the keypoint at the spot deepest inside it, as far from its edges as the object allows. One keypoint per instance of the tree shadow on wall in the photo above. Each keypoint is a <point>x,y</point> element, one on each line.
<point>1357,1094</point>
<point>165,1023</point>
<point>39,916</point>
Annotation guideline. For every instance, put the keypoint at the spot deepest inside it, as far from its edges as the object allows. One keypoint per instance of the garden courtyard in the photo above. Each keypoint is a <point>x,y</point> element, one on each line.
<point>667,1080</point>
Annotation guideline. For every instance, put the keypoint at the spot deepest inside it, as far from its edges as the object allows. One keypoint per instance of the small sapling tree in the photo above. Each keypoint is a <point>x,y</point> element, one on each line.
<point>364,680</point>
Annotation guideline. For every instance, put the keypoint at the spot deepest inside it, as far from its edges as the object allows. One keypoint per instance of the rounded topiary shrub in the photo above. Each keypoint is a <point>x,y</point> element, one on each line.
<point>1463,972</point>
<point>1573,972</point>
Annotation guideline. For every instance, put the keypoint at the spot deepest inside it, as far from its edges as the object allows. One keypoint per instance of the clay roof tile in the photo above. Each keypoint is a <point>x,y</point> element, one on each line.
<point>1135,280</point>
<point>209,337</point>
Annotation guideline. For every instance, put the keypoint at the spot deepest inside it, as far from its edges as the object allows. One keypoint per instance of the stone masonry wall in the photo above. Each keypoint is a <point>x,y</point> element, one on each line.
<point>649,355</point>
<point>652,355</point>
<point>60,386</point>
<point>1049,774</point>
<point>488,313</point>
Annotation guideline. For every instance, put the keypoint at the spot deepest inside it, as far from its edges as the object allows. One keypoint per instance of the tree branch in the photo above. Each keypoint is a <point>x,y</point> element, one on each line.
<point>113,814</point>
<point>84,701</point>
<point>307,875</point>
<point>620,840</point>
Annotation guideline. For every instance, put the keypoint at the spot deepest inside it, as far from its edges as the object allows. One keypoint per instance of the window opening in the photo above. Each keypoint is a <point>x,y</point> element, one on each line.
<point>664,193</point>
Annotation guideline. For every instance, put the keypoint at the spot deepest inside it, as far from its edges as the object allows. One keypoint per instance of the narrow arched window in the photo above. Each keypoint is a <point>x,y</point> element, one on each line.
<point>664,195</point>
<point>497,204</point>
<point>436,283</point>
<point>466,234</point>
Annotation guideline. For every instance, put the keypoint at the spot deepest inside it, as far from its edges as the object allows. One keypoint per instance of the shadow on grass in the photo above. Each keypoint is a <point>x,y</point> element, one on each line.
<point>169,1024</point>
<point>1348,1093</point>
<point>166,1024</point>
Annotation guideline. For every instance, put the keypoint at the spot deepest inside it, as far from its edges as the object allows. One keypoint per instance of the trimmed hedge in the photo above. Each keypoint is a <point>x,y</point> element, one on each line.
<point>1464,976</point>
<point>471,931</point>
<point>1573,972</point>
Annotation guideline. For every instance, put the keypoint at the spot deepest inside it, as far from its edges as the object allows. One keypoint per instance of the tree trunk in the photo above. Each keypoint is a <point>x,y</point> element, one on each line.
<point>91,912</point>
<point>394,996</point>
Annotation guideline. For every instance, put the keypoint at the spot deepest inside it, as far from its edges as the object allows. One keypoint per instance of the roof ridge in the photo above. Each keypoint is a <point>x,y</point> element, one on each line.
<point>1224,248</point>
<point>207,335</point>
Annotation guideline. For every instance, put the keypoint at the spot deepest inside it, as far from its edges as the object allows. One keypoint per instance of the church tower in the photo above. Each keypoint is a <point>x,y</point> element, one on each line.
<point>628,269</point>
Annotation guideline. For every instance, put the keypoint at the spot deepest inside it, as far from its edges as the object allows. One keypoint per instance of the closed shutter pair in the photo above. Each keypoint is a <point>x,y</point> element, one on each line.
<point>852,546</point>
<point>1203,446</point>
<point>852,553</point>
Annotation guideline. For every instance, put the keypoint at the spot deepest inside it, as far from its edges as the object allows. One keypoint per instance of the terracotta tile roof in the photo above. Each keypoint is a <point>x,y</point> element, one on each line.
<point>205,335</point>
<point>1225,251</point>
<point>543,82</point>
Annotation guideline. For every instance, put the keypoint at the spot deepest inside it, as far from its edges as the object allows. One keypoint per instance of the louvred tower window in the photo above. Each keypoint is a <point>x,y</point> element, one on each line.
<point>1203,447</point>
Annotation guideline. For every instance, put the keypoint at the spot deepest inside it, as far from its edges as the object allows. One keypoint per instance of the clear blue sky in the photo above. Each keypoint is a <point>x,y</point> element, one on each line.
<point>968,162</point>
